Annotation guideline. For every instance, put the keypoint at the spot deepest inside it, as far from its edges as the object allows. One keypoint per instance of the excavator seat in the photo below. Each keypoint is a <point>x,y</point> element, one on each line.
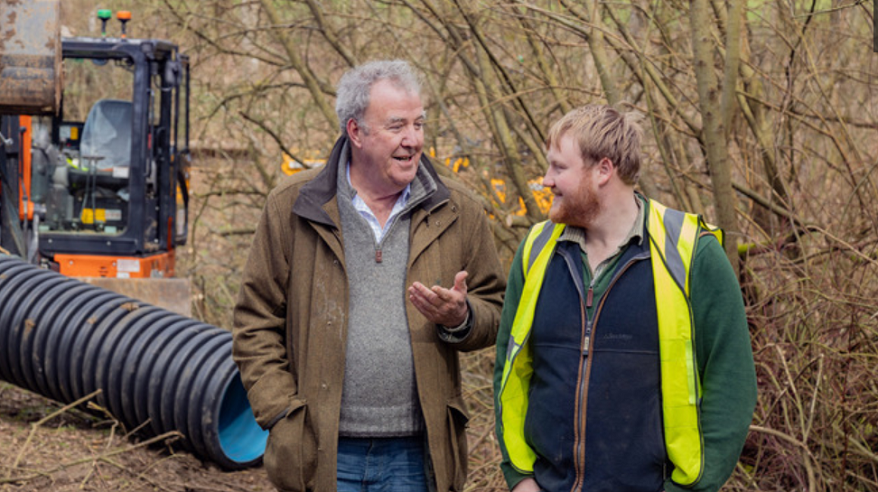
<point>107,134</point>
<point>105,146</point>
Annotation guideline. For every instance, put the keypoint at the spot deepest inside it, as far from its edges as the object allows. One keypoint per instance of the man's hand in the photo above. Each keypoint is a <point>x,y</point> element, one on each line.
<point>526,485</point>
<point>440,305</point>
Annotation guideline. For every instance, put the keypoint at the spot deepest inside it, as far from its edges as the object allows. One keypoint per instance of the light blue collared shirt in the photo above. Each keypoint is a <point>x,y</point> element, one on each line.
<point>367,214</point>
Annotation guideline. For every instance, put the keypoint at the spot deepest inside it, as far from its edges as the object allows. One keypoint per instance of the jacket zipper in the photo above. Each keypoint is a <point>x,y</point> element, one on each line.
<point>582,398</point>
<point>579,427</point>
<point>582,386</point>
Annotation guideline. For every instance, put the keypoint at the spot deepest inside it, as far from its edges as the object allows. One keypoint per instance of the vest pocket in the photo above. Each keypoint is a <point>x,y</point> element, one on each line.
<point>458,419</point>
<point>291,451</point>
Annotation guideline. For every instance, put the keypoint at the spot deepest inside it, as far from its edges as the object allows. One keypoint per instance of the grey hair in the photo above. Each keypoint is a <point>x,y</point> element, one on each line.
<point>352,97</point>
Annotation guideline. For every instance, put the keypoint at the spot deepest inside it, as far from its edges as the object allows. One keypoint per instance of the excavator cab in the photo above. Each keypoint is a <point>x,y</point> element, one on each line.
<point>108,172</point>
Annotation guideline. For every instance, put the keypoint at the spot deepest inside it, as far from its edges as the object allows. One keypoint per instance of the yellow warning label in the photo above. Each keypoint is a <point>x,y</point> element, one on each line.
<point>90,215</point>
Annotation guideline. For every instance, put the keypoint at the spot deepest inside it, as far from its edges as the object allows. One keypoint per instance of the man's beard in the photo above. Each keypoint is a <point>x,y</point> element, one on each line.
<point>579,210</point>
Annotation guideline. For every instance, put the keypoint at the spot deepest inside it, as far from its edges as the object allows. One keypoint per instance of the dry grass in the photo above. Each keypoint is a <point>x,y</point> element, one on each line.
<point>48,447</point>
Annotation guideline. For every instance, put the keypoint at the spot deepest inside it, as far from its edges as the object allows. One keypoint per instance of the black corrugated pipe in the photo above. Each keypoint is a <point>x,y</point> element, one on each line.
<point>65,339</point>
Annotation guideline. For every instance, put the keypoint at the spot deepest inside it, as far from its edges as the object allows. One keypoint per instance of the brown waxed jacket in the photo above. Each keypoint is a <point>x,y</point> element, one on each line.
<point>290,323</point>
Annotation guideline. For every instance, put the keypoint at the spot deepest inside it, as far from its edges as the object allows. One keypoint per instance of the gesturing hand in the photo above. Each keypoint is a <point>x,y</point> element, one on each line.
<point>440,305</point>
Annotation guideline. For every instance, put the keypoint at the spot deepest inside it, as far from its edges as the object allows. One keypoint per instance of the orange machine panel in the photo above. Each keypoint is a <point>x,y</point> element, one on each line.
<point>160,265</point>
<point>25,122</point>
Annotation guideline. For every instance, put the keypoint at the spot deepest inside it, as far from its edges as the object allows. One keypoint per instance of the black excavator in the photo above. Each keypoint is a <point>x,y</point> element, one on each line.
<point>95,170</point>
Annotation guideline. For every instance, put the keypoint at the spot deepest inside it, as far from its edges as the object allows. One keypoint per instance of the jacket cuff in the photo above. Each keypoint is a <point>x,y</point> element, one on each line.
<point>512,475</point>
<point>276,419</point>
<point>270,398</point>
<point>455,334</point>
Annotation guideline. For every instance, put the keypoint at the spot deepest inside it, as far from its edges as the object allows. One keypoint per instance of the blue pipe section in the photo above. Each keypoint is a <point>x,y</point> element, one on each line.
<point>158,371</point>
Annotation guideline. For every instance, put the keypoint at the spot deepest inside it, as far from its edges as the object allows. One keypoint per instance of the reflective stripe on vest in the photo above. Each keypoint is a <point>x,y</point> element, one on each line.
<point>514,390</point>
<point>673,237</point>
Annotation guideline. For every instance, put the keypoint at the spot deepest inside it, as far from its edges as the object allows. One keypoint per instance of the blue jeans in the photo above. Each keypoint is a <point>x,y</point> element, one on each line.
<point>382,465</point>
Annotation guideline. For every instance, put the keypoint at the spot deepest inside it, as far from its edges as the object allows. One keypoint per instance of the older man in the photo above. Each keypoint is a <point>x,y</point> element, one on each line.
<point>348,357</point>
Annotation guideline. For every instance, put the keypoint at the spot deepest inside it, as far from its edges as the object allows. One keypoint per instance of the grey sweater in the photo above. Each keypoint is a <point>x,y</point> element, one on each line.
<point>380,397</point>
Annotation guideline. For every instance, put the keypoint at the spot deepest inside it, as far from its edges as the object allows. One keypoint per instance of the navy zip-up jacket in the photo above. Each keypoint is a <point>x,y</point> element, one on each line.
<point>609,366</point>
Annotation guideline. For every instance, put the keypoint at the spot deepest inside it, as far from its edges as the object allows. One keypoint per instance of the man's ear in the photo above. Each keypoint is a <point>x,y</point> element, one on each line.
<point>355,133</point>
<point>605,170</point>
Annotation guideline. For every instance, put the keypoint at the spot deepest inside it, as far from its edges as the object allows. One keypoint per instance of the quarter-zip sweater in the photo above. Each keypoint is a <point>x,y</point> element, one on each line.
<point>380,397</point>
<point>594,416</point>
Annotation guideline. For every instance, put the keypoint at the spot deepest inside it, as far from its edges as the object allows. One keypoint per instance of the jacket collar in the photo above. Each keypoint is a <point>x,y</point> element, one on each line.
<point>317,193</point>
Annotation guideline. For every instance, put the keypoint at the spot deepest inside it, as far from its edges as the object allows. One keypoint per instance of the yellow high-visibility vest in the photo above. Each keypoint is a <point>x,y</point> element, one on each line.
<point>673,237</point>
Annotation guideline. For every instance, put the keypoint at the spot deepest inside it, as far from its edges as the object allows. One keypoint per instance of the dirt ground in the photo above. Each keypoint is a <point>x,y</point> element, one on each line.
<point>77,451</point>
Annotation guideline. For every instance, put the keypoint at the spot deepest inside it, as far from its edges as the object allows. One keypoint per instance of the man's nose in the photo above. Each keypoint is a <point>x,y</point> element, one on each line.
<point>412,136</point>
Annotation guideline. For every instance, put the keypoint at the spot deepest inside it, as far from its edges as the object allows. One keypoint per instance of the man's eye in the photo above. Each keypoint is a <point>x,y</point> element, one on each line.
<point>419,126</point>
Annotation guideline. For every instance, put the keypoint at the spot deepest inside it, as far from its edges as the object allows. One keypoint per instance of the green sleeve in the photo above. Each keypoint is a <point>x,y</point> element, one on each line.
<point>725,362</point>
<point>510,306</point>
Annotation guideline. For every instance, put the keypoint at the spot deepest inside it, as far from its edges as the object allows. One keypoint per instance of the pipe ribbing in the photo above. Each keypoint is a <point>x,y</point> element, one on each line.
<point>157,370</point>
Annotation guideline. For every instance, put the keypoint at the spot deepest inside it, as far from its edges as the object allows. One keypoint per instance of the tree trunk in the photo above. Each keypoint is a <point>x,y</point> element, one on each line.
<point>713,134</point>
